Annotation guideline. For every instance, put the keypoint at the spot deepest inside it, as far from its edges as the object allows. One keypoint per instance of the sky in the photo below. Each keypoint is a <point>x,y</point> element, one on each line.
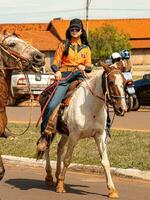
<point>39,11</point>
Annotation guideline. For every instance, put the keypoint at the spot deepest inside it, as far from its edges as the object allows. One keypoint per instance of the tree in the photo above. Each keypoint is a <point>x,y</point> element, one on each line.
<point>106,40</point>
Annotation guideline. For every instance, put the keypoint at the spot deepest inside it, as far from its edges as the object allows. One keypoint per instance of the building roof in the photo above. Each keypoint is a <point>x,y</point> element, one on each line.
<point>35,34</point>
<point>42,40</point>
<point>46,36</point>
<point>138,29</point>
<point>23,27</point>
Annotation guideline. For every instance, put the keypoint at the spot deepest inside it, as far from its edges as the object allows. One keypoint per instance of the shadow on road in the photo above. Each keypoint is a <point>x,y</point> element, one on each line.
<point>27,184</point>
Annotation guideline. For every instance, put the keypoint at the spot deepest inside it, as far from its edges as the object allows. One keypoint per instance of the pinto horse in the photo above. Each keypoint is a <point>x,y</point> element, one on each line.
<point>86,117</point>
<point>14,54</point>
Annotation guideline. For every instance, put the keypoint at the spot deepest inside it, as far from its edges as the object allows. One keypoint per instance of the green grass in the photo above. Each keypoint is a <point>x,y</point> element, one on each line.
<point>127,150</point>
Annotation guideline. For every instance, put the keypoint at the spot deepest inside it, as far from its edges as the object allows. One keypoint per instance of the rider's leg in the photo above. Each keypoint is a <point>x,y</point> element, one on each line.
<point>44,140</point>
<point>54,102</point>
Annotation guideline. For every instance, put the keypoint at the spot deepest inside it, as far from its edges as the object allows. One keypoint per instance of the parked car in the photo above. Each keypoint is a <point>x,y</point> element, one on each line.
<point>21,84</point>
<point>142,88</point>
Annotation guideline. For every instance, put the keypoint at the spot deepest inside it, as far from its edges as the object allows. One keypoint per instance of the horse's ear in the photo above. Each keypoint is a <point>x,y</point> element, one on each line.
<point>15,34</point>
<point>5,32</point>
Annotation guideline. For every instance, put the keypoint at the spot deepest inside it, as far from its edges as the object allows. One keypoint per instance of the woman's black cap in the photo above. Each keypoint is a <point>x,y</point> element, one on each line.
<point>76,23</point>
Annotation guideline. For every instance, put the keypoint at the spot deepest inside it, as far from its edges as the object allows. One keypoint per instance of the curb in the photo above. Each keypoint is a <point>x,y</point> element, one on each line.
<point>135,173</point>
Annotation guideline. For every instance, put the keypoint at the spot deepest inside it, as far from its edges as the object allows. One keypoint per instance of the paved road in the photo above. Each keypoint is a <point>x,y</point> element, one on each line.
<point>26,183</point>
<point>132,120</point>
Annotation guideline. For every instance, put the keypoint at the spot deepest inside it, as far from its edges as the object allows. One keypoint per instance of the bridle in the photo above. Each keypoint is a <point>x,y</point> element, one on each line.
<point>20,61</point>
<point>109,94</point>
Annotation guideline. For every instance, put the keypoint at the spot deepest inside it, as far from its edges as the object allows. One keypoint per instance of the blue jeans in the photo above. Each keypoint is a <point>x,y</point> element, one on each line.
<point>59,95</point>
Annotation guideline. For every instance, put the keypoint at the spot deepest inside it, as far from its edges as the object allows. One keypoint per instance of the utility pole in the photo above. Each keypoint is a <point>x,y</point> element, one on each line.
<point>87,14</point>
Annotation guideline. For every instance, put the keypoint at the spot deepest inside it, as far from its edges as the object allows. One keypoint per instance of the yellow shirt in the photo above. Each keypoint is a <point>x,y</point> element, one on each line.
<point>78,54</point>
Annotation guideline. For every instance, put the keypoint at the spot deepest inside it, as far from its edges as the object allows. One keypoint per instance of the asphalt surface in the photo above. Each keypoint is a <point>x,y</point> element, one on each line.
<point>132,120</point>
<point>22,182</point>
<point>26,183</point>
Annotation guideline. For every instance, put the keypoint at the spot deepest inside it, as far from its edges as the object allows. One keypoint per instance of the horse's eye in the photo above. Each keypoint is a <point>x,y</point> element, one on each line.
<point>110,83</point>
<point>12,44</point>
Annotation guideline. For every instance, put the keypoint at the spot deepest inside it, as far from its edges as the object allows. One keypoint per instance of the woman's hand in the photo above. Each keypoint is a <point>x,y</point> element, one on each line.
<point>58,75</point>
<point>81,67</point>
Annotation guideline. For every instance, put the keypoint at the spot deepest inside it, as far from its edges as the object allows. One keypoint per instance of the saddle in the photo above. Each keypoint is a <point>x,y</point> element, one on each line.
<point>55,121</point>
<point>43,97</point>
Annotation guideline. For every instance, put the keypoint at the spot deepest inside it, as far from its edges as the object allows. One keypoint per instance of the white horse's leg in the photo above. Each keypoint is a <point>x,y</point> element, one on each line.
<point>102,148</point>
<point>72,141</point>
<point>60,151</point>
<point>48,168</point>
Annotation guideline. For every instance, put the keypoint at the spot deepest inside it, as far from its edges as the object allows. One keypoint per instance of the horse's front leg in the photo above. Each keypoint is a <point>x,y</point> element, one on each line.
<point>48,168</point>
<point>102,148</point>
<point>60,151</point>
<point>2,169</point>
<point>66,162</point>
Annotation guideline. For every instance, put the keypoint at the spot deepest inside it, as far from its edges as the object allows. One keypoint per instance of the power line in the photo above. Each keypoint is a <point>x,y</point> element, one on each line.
<point>125,9</point>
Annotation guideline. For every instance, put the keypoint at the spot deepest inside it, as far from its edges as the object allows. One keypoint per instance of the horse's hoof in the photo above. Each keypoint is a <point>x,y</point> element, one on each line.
<point>113,193</point>
<point>60,187</point>
<point>60,190</point>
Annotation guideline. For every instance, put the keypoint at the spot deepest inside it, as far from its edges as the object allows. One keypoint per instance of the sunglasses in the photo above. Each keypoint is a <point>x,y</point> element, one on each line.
<point>74,29</point>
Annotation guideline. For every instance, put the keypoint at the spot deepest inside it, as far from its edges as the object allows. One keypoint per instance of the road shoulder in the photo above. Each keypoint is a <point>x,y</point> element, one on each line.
<point>135,173</point>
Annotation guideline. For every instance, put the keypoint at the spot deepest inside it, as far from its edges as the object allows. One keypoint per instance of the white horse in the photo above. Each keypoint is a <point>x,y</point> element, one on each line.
<point>86,117</point>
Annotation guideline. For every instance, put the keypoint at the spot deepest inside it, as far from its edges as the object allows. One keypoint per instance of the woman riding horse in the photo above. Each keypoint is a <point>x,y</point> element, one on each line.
<point>72,57</point>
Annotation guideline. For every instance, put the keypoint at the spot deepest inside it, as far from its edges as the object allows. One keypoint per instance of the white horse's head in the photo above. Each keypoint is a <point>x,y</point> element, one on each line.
<point>115,86</point>
<point>20,51</point>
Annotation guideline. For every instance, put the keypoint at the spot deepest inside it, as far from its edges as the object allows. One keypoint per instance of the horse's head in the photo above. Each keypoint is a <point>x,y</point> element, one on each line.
<point>115,83</point>
<point>26,55</point>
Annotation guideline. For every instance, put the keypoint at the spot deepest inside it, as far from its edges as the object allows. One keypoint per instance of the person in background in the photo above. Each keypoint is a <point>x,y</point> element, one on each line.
<point>72,57</point>
<point>125,56</point>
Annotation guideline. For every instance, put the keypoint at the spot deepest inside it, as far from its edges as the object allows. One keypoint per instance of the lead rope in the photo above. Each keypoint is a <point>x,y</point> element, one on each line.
<point>31,112</point>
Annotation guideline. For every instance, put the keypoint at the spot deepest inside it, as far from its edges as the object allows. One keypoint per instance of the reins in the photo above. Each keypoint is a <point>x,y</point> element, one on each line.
<point>107,93</point>
<point>31,111</point>
<point>51,95</point>
<point>28,126</point>
<point>89,88</point>
<point>17,59</point>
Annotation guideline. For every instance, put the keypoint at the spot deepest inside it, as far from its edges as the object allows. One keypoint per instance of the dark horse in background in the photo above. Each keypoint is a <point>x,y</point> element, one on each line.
<point>14,54</point>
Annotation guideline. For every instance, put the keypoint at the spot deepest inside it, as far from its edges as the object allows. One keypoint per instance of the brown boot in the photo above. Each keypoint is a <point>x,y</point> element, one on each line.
<point>42,143</point>
<point>49,132</point>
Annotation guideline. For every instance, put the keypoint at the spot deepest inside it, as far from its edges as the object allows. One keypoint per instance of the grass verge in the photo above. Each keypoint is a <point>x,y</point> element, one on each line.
<point>128,149</point>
